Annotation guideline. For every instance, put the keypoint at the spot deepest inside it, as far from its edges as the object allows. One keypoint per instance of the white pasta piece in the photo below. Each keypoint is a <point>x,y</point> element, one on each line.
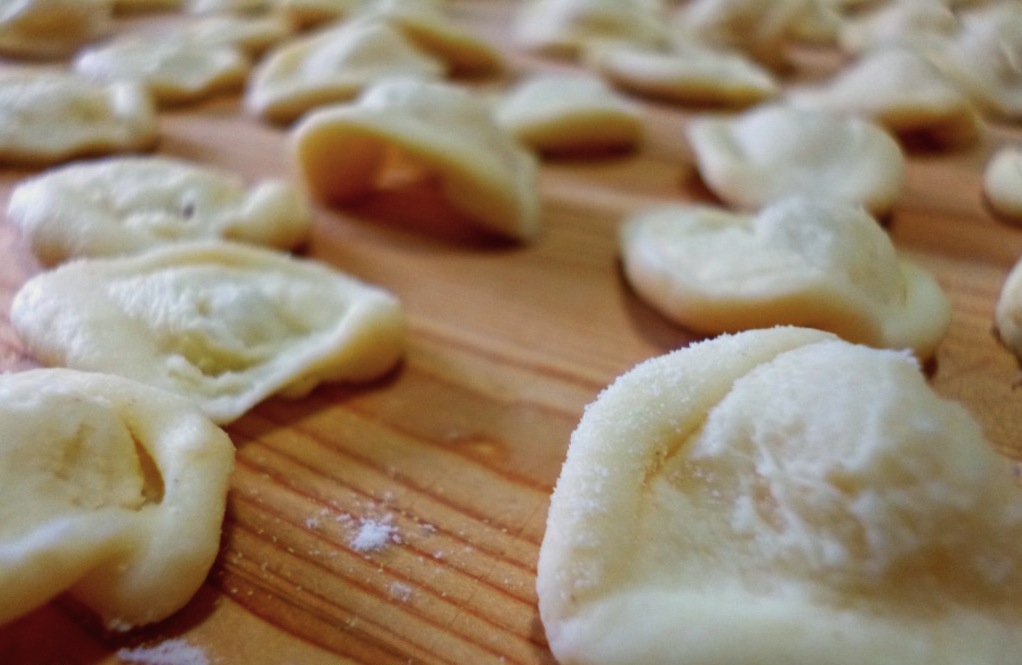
<point>51,28</point>
<point>251,34</point>
<point>569,114</point>
<point>332,66</point>
<point>425,25</point>
<point>1008,312</point>
<point>49,116</point>
<point>224,324</point>
<point>128,205</point>
<point>1002,183</point>
<point>900,89</point>
<point>342,152</point>
<point>775,151</point>
<point>566,27</point>
<point>781,496</point>
<point>759,28</point>
<point>175,71</point>
<point>905,22</point>
<point>808,262</point>
<point>687,75</point>
<point>985,58</point>
<point>112,490</point>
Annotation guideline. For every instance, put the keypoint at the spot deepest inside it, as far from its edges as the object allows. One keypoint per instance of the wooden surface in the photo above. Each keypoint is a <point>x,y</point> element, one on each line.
<point>460,447</point>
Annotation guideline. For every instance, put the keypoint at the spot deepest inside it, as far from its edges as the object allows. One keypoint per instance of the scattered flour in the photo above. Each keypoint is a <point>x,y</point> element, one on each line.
<point>169,652</point>
<point>400,591</point>
<point>374,535</point>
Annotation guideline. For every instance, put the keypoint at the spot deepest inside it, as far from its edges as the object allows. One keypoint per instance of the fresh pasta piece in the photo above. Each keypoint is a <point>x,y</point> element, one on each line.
<point>904,23</point>
<point>50,116</point>
<point>900,89</point>
<point>224,324</point>
<point>175,71</point>
<point>759,28</point>
<point>565,28</point>
<point>51,28</point>
<point>985,58</point>
<point>128,205</point>
<point>806,262</point>
<point>112,490</point>
<point>772,152</point>
<point>1008,312</point>
<point>426,26</point>
<point>1002,183</point>
<point>332,66</point>
<point>343,151</point>
<point>253,35</point>
<point>687,75</point>
<point>569,114</point>
<point>781,496</point>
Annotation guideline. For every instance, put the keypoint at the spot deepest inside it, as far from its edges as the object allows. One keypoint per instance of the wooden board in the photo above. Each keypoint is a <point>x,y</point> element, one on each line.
<point>459,448</point>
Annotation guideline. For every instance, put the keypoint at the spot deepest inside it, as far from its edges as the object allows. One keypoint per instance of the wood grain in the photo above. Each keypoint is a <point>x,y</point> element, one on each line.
<point>458,449</point>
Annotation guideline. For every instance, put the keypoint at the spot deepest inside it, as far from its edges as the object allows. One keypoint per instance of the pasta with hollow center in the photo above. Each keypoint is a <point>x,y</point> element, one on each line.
<point>809,262</point>
<point>222,323</point>
<point>781,496</point>
<point>126,205</point>
<point>49,116</point>
<point>774,151</point>
<point>446,131</point>
<point>113,490</point>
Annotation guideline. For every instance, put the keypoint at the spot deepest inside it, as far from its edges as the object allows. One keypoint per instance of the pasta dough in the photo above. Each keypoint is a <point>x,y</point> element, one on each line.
<point>1008,312</point>
<point>128,205</point>
<point>809,262</point>
<point>1002,183</point>
<point>781,496</point>
<point>903,91</point>
<point>49,116</point>
<point>342,151</point>
<point>174,70</point>
<point>567,27</point>
<point>51,28</point>
<point>332,66</point>
<point>111,489</point>
<point>687,75</point>
<point>772,152</point>
<point>224,324</point>
<point>569,114</point>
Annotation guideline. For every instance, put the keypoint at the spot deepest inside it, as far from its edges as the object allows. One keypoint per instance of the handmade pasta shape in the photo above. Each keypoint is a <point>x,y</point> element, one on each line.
<point>565,28</point>
<point>687,75</point>
<point>128,205</point>
<point>560,114</point>
<point>759,28</point>
<point>50,116</point>
<point>985,58</point>
<point>780,496</point>
<point>919,23</point>
<point>114,491</point>
<point>772,152</point>
<point>808,262</point>
<point>175,71</point>
<point>333,66</point>
<point>224,324</point>
<point>252,35</point>
<point>426,26</point>
<point>342,152</point>
<point>901,90</point>
<point>52,28</point>
<point>1008,312</point>
<point>1002,183</point>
